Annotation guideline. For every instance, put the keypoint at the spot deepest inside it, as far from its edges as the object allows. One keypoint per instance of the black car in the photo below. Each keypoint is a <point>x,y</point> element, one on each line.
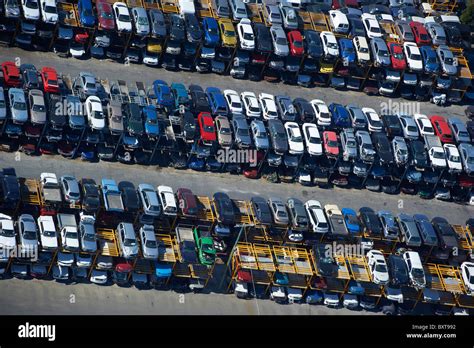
<point>312,44</point>
<point>193,30</point>
<point>356,27</point>
<point>134,119</point>
<point>370,221</point>
<point>398,271</point>
<point>199,101</point>
<point>185,63</point>
<point>418,155</point>
<point>278,136</point>
<point>10,188</point>
<point>188,123</point>
<point>261,210</point>
<point>104,152</point>
<point>176,27</point>
<point>57,116</point>
<point>157,23</point>
<point>447,237</point>
<point>470,128</point>
<point>304,110</point>
<point>90,195</point>
<point>169,62</point>
<point>325,263</point>
<point>254,73</point>
<point>225,208</point>
<point>30,76</point>
<point>453,34</point>
<point>392,125</point>
<point>383,148</point>
<point>130,198</point>
<point>263,40</point>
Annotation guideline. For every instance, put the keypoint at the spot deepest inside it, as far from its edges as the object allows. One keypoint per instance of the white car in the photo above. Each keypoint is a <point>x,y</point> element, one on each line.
<point>321,110</point>
<point>122,17</point>
<point>233,101</point>
<point>278,294</point>
<point>394,294</point>
<point>331,299</point>
<point>7,235</point>
<point>312,139</point>
<point>49,11</point>
<point>87,233</point>
<point>467,272</point>
<point>415,269</point>
<point>413,56</point>
<point>330,47</point>
<point>350,301</point>
<point>361,47</point>
<point>294,295</point>
<point>377,267</point>
<point>83,260</point>
<point>251,105</point>
<point>295,140</point>
<point>338,21</point>
<point>98,277</point>
<point>65,259</point>
<point>317,219</point>
<point>269,108</point>
<point>424,124</point>
<point>372,27</point>
<point>148,242</point>
<point>47,231</point>
<point>95,113</point>
<point>453,158</point>
<point>410,130</point>
<point>373,120</point>
<point>246,36</point>
<point>30,9</point>
<point>168,200</point>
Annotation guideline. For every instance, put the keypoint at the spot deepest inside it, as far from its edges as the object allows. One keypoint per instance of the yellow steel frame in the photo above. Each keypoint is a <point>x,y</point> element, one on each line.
<point>264,257</point>
<point>204,8</point>
<point>255,13</point>
<point>244,215</point>
<point>205,209</point>
<point>245,256</point>
<point>451,279</point>
<point>135,3</point>
<point>169,6</point>
<point>306,20</point>
<point>302,261</point>
<point>390,31</point>
<point>67,14</point>
<point>30,192</point>
<point>443,5</point>
<point>108,242</point>
<point>465,237</point>
<point>358,268</point>
<point>283,259</point>
<point>166,248</point>
<point>152,4</point>
<point>319,21</point>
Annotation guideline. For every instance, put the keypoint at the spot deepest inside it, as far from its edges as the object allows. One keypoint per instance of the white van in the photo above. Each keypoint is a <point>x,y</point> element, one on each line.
<point>338,21</point>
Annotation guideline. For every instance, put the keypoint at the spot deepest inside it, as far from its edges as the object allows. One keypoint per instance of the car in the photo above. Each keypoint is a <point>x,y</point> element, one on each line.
<point>383,148</point>
<point>390,227</point>
<point>278,210</point>
<point>370,221</point>
<point>199,102</point>
<point>224,132</point>
<point>28,233</point>
<point>365,146</point>
<point>187,202</point>
<point>437,33</point>
<point>323,116</point>
<point>261,210</point>
<point>167,200</point>
<point>233,101</point>
<point>87,234</point>
<point>224,209</point>
<point>158,26</point>
<point>415,269</point>
<point>373,120</point>
<point>295,140</point>
<point>163,94</point>
<point>149,200</point>
<point>413,56</point>
<point>90,195</point>
<point>312,139</point>
<point>467,273</point>
<point>447,237</point>
<point>340,116</point>
<point>278,137</point>
<point>268,106</point>
<point>409,230</point>
<point>409,127</point>
<point>338,21</point>
<point>380,52</point>
<point>318,221</point>
<point>238,9</point>
<point>453,158</point>
<point>466,152</point>
<point>298,218</point>
<point>420,33</point>
<point>251,104</point>
<point>392,125</point>
<point>207,128</point>
<point>217,101</point>
<point>123,20</point>
<point>95,113</point>
<point>285,108</point>
<point>396,56</point>
<point>130,197</point>
<point>193,29</point>
<point>105,15</point>
<point>357,117</point>
<point>241,132</point>
<point>37,106</point>
<point>18,109</point>
<point>459,130</point>
<point>49,76</point>
<point>295,41</point>
<point>330,47</point>
<point>70,188</point>
<point>325,262</point>
<point>7,236</point>
<point>400,150</point>
<point>371,25</point>
<point>430,60</point>
<point>427,232</point>
<point>140,20</point>
<point>351,221</point>
<point>246,36</point>
<point>30,9</point>
<point>348,144</point>
<point>313,44</point>
<point>424,125</point>
<point>378,267</point>
<point>176,27</point>
<point>148,242</point>
<point>331,145</point>
<point>362,49</point>
<point>228,36</point>
<point>127,240</point>
<point>447,60</point>
<point>11,74</point>
<point>280,42</point>
<point>346,47</point>
<point>304,111</point>
<point>442,129</point>
<point>398,272</point>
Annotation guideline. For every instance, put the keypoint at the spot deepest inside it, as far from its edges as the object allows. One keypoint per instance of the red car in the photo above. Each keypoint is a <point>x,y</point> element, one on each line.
<point>421,35</point>
<point>296,43</point>
<point>442,129</point>
<point>11,74</point>
<point>337,4</point>
<point>331,145</point>
<point>397,57</point>
<point>50,80</point>
<point>207,128</point>
<point>105,15</point>
<point>187,202</point>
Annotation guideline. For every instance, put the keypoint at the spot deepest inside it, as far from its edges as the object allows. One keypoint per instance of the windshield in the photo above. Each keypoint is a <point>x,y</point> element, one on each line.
<point>71,235</point>
<point>209,129</point>
<point>98,115</point>
<point>332,143</point>
<point>364,50</point>
<point>30,235</point>
<point>142,21</point>
<point>438,154</point>
<point>453,158</point>
<point>19,106</point>
<point>243,131</point>
<point>32,4</point>
<point>229,33</point>
<point>130,242</point>
<point>415,56</point>
<point>50,9</point>
<point>151,244</point>
<point>248,36</point>
<point>124,18</point>
<point>381,268</point>
<point>314,140</point>
<point>417,273</point>
<point>281,41</point>
<point>106,15</point>
<point>90,237</point>
<point>225,130</point>
<point>7,233</point>
<point>38,108</point>
<point>383,53</point>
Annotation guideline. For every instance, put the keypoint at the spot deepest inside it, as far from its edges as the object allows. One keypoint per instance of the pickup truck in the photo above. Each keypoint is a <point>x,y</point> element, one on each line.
<point>112,196</point>
<point>50,189</point>
<point>435,151</point>
<point>67,225</point>
<point>336,221</point>
<point>205,247</point>
<point>187,245</point>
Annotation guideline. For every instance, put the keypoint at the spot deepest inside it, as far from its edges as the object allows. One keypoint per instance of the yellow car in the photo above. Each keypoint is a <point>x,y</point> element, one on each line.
<point>227,30</point>
<point>154,46</point>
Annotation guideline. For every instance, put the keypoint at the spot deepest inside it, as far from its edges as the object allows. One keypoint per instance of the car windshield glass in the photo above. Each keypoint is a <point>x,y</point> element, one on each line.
<point>29,235</point>
<point>415,56</point>
<point>71,235</point>
<point>470,160</point>
<point>49,233</point>
<point>32,4</point>
<point>142,21</point>
<point>417,273</point>
<point>151,244</point>
<point>438,155</point>
<point>332,45</point>
<point>364,50</point>
<point>241,11</point>
<point>130,242</point>
<point>332,143</point>
<point>315,140</point>
<point>225,130</point>
<point>453,158</point>
<point>243,131</point>
<point>229,33</point>
<point>98,115</point>
<point>412,129</point>
<point>298,44</point>
<point>19,106</point>
<point>296,138</point>
<point>248,36</point>
<point>38,108</point>
<point>7,233</point>
<point>124,18</point>
<point>383,53</point>
<point>281,41</point>
<point>89,237</point>
<point>50,9</point>
<point>209,129</point>
<point>107,15</point>
<point>381,268</point>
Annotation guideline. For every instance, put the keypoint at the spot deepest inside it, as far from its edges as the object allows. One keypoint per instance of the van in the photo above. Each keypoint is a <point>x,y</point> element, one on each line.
<point>338,21</point>
<point>415,269</point>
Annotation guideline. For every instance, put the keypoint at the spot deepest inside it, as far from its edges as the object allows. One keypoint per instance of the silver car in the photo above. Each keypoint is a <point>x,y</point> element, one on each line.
<point>70,187</point>
<point>37,106</point>
<point>400,150</point>
<point>380,52</point>
<point>238,9</point>
<point>127,240</point>
<point>241,131</point>
<point>148,241</point>
<point>459,130</point>
<point>280,43</point>
<point>446,58</point>
<point>28,232</point>
<point>467,157</point>
<point>366,148</point>
<point>115,116</point>
<point>349,144</point>
<point>140,18</point>
<point>3,105</point>
<point>12,9</point>
<point>290,19</point>
<point>224,133</point>
<point>278,209</point>
<point>259,134</point>
<point>18,109</point>
<point>437,33</point>
<point>273,15</point>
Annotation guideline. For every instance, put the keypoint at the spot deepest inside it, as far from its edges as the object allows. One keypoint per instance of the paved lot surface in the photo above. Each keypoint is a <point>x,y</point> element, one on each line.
<point>131,73</point>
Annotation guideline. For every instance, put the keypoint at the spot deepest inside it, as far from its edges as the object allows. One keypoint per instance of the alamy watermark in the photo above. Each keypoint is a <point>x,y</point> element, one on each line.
<point>399,108</point>
<point>243,156</point>
<point>28,253</point>
<point>344,250</point>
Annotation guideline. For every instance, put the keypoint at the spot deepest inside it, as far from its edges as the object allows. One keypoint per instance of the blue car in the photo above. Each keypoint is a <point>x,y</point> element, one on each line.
<point>217,101</point>
<point>211,32</point>
<point>351,220</point>
<point>347,50</point>
<point>163,94</point>
<point>180,95</point>
<point>196,163</point>
<point>151,121</point>
<point>340,115</point>
<point>430,59</point>
<point>280,279</point>
<point>86,14</point>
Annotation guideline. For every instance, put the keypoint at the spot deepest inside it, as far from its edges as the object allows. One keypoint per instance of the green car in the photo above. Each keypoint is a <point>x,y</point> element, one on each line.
<point>205,247</point>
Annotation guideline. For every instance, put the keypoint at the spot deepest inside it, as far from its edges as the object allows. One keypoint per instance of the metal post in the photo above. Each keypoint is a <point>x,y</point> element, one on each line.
<point>403,177</point>
<point>231,254</point>
<point>435,186</point>
<point>157,141</point>
<point>368,173</point>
